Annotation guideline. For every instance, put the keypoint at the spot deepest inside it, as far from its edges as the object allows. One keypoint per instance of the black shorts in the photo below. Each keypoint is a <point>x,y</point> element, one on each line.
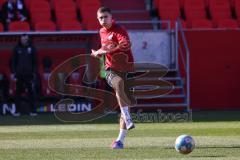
<point>110,74</point>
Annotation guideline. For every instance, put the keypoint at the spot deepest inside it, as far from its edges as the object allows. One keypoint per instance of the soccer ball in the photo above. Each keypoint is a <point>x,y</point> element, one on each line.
<point>184,144</point>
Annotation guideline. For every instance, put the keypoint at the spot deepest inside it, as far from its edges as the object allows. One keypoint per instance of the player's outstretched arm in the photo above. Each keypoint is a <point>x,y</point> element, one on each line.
<point>98,53</point>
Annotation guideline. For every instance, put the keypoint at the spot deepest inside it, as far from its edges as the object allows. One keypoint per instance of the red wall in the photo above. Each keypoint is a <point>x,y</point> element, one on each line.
<point>215,69</point>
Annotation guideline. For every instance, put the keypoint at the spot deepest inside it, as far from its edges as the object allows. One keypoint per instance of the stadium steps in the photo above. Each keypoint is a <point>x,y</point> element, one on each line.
<point>157,105</point>
<point>135,10</point>
<point>173,80</point>
<point>172,95</point>
<point>162,96</point>
<point>176,89</point>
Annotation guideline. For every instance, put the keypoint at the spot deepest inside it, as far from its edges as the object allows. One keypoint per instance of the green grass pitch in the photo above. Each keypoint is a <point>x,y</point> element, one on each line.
<point>149,141</point>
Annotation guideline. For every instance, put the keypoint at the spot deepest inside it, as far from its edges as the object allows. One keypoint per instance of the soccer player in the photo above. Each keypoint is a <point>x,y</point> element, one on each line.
<point>116,48</point>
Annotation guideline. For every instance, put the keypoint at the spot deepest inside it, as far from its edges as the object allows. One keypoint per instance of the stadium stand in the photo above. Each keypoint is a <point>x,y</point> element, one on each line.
<point>65,11</point>
<point>134,5</point>
<point>41,16</point>
<point>19,26</point>
<point>39,6</point>
<point>88,14</point>
<point>29,2</point>
<point>200,23</point>
<point>70,25</point>
<point>169,9</point>
<point>220,9</point>
<point>200,13</point>
<point>45,26</point>
<point>227,23</point>
<point>40,11</point>
<point>135,10</point>
<point>195,14</point>
<point>195,11</point>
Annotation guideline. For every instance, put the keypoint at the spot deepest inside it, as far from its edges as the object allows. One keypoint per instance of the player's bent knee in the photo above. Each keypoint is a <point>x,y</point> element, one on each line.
<point>118,83</point>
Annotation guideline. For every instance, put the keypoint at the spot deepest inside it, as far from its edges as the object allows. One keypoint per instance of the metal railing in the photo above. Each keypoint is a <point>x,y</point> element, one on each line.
<point>183,60</point>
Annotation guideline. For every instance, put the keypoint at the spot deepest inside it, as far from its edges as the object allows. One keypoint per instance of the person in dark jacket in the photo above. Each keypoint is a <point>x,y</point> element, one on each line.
<point>24,67</point>
<point>14,10</point>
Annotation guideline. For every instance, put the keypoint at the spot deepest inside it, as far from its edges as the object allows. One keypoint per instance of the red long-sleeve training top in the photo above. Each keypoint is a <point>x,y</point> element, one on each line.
<point>116,42</point>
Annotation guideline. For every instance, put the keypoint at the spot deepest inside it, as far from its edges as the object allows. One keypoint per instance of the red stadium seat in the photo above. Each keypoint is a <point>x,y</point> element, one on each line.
<point>1,27</point>
<point>46,91</point>
<point>70,26</point>
<point>65,6</point>
<point>181,2</point>
<point>55,3</point>
<point>44,74</point>
<point>206,2</point>
<point>219,4</point>
<point>40,17</point>
<point>237,8</point>
<point>66,17</point>
<point>200,23</point>
<point>169,9</point>
<point>45,26</point>
<point>40,6</point>
<point>194,9</point>
<point>40,11</point>
<point>221,14</point>
<point>170,15</point>
<point>227,23</point>
<point>196,4</point>
<point>220,9</point>
<point>130,17</point>
<point>88,14</point>
<point>195,14</point>
<point>91,3</point>
<point>91,26</point>
<point>28,2</point>
<point>12,85</point>
<point>65,11</point>
<point>75,78</point>
<point>5,69</point>
<point>169,4</point>
<point>18,26</point>
<point>232,3</point>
